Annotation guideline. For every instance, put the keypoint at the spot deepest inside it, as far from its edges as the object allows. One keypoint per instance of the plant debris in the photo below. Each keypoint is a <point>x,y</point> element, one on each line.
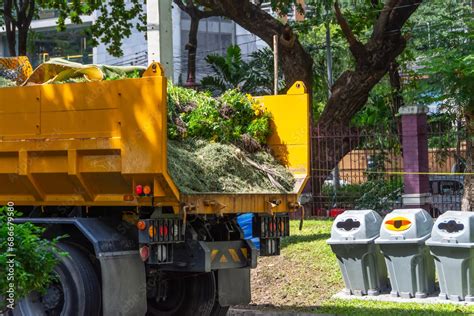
<point>5,83</point>
<point>203,166</point>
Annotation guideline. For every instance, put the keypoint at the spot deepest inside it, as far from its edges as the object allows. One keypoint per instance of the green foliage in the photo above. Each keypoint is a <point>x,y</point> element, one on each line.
<point>115,21</point>
<point>232,72</point>
<point>378,194</point>
<point>5,83</point>
<point>261,73</point>
<point>193,114</point>
<point>34,258</point>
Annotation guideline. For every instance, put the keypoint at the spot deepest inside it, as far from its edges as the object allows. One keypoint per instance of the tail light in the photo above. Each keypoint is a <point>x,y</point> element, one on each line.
<point>271,226</point>
<point>144,253</point>
<point>147,190</point>
<point>143,190</point>
<point>270,229</point>
<point>270,246</point>
<point>160,234</point>
<point>139,190</point>
<point>141,225</point>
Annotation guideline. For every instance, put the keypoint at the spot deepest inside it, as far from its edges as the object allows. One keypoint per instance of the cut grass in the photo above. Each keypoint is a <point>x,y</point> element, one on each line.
<point>306,275</point>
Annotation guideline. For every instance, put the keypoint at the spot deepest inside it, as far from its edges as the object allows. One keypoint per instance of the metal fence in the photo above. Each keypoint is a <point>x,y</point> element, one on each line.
<point>369,173</point>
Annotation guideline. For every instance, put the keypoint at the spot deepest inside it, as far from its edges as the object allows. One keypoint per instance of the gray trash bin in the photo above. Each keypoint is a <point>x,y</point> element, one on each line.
<point>452,245</point>
<point>410,265</point>
<point>361,262</point>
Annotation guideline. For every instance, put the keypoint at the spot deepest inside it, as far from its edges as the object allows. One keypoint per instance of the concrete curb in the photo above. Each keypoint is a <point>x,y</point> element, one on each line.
<point>385,297</point>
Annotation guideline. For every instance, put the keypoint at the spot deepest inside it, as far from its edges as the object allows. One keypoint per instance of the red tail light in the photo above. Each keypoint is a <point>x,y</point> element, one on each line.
<point>139,190</point>
<point>163,231</point>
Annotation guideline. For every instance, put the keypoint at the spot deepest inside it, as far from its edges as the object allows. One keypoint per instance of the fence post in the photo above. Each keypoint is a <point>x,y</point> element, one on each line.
<point>415,157</point>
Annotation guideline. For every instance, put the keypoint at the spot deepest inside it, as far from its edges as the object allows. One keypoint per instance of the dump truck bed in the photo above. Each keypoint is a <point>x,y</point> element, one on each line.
<point>92,143</point>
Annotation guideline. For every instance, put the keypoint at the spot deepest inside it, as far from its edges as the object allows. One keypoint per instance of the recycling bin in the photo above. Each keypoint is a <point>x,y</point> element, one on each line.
<point>452,245</point>
<point>410,266</point>
<point>360,260</point>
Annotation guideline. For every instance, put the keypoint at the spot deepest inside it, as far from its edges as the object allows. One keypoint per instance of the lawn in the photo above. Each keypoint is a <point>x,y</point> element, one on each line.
<point>306,275</point>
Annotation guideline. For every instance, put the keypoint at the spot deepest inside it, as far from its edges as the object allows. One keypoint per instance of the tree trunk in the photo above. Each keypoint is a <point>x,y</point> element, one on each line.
<point>11,38</point>
<point>191,46</point>
<point>196,16</point>
<point>22,41</point>
<point>21,20</point>
<point>468,196</point>
<point>10,26</point>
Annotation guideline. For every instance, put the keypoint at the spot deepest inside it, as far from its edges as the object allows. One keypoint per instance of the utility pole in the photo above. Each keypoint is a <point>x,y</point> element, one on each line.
<point>159,34</point>
<point>330,82</point>
<point>275,64</point>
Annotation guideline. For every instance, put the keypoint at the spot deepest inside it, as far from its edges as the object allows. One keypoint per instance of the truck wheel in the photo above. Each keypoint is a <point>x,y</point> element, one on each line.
<point>184,294</point>
<point>219,310</point>
<point>75,292</point>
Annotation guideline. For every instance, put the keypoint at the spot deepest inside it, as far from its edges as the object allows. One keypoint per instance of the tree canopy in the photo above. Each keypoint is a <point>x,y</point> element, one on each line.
<point>116,20</point>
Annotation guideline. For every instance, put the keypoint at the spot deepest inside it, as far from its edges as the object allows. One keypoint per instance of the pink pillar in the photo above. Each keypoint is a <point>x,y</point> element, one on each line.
<point>415,157</point>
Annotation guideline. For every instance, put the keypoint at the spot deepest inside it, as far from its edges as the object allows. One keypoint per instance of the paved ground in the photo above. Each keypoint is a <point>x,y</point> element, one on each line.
<point>432,299</point>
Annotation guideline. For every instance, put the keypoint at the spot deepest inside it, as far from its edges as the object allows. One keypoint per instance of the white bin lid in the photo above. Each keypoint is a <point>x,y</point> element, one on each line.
<point>453,229</point>
<point>355,227</point>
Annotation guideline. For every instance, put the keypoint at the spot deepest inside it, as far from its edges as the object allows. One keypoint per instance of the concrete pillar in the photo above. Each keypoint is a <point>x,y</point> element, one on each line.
<point>415,157</point>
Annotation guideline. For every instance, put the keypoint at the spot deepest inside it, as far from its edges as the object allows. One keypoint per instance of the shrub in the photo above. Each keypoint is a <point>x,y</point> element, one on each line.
<point>379,194</point>
<point>34,259</point>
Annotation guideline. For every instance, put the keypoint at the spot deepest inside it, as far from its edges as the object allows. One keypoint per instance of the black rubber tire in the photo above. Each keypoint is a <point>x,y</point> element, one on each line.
<point>80,284</point>
<point>190,295</point>
<point>218,310</point>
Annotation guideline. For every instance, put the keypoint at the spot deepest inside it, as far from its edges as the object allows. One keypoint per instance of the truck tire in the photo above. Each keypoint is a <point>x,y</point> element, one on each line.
<point>77,291</point>
<point>186,295</point>
<point>219,310</point>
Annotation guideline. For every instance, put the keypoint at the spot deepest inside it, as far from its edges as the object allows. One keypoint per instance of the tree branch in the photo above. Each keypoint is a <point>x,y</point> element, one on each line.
<point>356,47</point>
<point>31,12</point>
<point>180,5</point>
<point>381,23</point>
<point>193,11</point>
<point>393,16</point>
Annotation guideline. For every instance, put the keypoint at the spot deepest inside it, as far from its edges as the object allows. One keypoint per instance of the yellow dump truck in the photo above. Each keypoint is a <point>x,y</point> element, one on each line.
<point>89,161</point>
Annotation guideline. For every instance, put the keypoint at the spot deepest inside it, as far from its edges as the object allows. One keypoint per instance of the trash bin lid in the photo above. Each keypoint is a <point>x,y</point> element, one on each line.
<point>411,226</point>
<point>355,227</point>
<point>453,229</point>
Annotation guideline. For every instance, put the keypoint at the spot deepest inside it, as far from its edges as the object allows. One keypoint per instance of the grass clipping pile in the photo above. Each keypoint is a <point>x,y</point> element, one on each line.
<point>219,144</point>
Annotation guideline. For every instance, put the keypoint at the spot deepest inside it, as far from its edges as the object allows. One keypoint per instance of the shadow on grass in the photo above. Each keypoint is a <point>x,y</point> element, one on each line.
<point>351,310</point>
<point>303,238</point>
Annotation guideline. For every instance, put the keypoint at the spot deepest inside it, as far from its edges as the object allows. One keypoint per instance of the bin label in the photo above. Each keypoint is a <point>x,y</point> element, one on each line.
<point>451,226</point>
<point>348,225</point>
<point>398,224</point>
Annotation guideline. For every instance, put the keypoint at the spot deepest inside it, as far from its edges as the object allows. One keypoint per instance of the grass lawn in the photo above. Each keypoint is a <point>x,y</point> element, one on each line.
<point>306,275</point>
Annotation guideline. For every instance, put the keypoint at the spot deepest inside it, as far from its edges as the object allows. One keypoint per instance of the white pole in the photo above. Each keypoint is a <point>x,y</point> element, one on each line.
<point>275,64</point>
<point>159,34</point>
